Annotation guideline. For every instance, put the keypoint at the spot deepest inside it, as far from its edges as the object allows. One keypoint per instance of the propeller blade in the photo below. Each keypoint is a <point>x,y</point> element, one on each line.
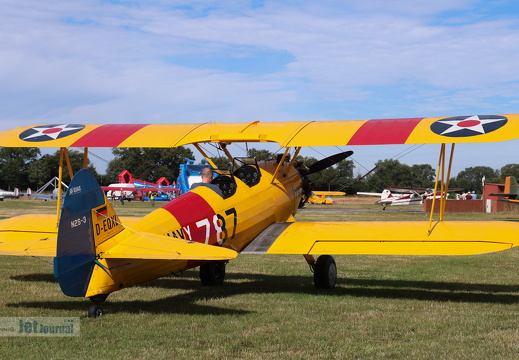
<point>329,161</point>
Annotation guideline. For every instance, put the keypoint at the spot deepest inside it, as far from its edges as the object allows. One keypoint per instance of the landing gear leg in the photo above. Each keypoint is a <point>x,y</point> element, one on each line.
<point>213,273</point>
<point>98,299</point>
<point>325,272</point>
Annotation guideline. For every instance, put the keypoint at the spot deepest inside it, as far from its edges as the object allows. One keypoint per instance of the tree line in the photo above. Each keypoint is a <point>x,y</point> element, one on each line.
<point>27,168</point>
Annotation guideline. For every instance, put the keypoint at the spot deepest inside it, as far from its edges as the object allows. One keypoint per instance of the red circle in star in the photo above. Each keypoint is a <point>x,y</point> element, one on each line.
<point>469,123</point>
<point>52,131</point>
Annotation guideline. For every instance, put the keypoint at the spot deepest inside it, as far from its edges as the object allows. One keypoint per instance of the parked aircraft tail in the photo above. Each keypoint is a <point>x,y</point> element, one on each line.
<point>76,245</point>
<point>511,185</point>
<point>511,189</point>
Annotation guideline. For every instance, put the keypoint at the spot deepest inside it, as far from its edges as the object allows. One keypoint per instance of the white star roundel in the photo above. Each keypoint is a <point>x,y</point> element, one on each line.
<point>465,126</point>
<point>50,132</point>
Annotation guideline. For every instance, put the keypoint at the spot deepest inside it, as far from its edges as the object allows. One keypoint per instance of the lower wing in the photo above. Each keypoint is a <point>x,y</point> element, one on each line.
<point>36,235</point>
<point>386,238</point>
<point>33,235</point>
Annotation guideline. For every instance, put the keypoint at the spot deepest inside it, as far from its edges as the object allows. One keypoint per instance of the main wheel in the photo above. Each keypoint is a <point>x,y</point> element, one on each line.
<point>325,272</point>
<point>95,310</point>
<point>212,273</point>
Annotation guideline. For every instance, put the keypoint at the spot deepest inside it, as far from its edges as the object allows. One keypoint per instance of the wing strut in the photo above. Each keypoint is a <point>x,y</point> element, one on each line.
<point>85,158</point>
<point>205,155</point>
<point>60,179</point>
<point>294,157</point>
<point>287,150</point>
<point>443,182</point>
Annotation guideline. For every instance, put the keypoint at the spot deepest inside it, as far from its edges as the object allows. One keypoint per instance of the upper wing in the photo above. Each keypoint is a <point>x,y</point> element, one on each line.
<point>329,193</point>
<point>386,238</point>
<point>406,190</point>
<point>483,128</point>
<point>369,194</point>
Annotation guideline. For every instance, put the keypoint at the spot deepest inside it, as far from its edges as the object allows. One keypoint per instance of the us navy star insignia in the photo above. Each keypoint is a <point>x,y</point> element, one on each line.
<point>465,126</point>
<point>50,132</point>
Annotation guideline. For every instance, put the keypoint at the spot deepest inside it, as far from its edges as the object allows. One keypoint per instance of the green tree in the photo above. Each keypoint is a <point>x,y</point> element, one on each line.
<point>471,178</point>
<point>14,166</point>
<point>221,162</point>
<point>260,154</point>
<point>423,176</point>
<point>47,166</point>
<point>510,170</point>
<point>393,173</point>
<point>390,173</point>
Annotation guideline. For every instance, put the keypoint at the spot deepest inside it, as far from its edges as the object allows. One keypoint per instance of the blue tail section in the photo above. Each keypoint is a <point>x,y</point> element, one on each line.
<point>75,255</point>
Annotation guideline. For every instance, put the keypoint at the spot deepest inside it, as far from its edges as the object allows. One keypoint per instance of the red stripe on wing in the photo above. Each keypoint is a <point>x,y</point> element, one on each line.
<point>385,131</point>
<point>108,135</point>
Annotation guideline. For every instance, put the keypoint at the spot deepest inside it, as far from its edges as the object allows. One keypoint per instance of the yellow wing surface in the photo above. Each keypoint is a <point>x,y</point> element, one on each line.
<point>329,193</point>
<point>35,235</point>
<point>483,128</point>
<point>153,246</point>
<point>385,238</point>
<point>28,235</point>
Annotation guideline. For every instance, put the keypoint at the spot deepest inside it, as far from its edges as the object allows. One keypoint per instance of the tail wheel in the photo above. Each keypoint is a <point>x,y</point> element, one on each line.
<point>213,273</point>
<point>95,311</point>
<point>325,272</point>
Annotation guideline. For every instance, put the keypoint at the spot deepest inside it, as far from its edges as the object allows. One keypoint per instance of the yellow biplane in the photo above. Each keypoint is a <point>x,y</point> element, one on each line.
<point>96,253</point>
<point>321,197</point>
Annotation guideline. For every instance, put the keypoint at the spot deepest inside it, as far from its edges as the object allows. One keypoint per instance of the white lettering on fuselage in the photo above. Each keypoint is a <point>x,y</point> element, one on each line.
<point>74,190</point>
<point>215,224</point>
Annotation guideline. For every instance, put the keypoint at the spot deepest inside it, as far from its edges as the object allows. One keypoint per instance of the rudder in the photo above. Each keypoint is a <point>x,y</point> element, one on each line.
<point>80,231</point>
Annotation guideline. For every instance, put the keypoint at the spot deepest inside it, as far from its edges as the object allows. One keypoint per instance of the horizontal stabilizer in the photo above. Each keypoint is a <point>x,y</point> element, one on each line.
<point>34,235</point>
<point>386,238</point>
<point>158,247</point>
<point>503,195</point>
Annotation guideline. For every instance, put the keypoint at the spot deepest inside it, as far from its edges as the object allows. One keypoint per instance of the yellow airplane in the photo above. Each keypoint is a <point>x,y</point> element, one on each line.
<point>320,197</point>
<point>96,253</point>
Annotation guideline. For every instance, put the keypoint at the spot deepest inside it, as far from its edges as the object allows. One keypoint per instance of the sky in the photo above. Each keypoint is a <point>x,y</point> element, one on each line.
<point>160,61</point>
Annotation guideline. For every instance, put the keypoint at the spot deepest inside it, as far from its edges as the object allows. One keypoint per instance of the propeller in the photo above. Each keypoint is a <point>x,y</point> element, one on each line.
<point>318,166</point>
<point>329,161</point>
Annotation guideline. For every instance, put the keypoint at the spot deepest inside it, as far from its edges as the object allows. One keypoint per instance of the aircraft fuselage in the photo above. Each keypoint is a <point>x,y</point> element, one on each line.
<point>203,216</point>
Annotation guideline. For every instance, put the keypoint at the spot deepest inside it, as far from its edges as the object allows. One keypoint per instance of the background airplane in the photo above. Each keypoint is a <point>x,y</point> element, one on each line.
<point>392,196</point>
<point>4,194</point>
<point>400,196</point>
<point>511,193</point>
<point>96,253</point>
<point>320,197</point>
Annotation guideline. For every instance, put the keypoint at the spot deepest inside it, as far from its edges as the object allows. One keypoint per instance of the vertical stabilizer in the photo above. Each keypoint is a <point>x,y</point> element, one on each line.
<point>511,182</point>
<point>87,219</point>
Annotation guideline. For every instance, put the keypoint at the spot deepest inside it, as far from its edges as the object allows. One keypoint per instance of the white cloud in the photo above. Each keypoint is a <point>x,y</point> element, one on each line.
<point>173,61</point>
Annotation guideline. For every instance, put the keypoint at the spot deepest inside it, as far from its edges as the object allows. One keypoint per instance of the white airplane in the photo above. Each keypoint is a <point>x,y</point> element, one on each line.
<point>4,194</point>
<point>402,196</point>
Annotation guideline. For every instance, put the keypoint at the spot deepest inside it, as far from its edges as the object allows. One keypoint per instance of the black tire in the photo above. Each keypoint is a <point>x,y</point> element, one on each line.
<point>95,311</point>
<point>325,272</point>
<point>212,273</point>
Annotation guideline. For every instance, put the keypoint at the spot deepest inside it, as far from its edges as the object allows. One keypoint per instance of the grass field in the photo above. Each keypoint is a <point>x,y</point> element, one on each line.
<point>384,307</point>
